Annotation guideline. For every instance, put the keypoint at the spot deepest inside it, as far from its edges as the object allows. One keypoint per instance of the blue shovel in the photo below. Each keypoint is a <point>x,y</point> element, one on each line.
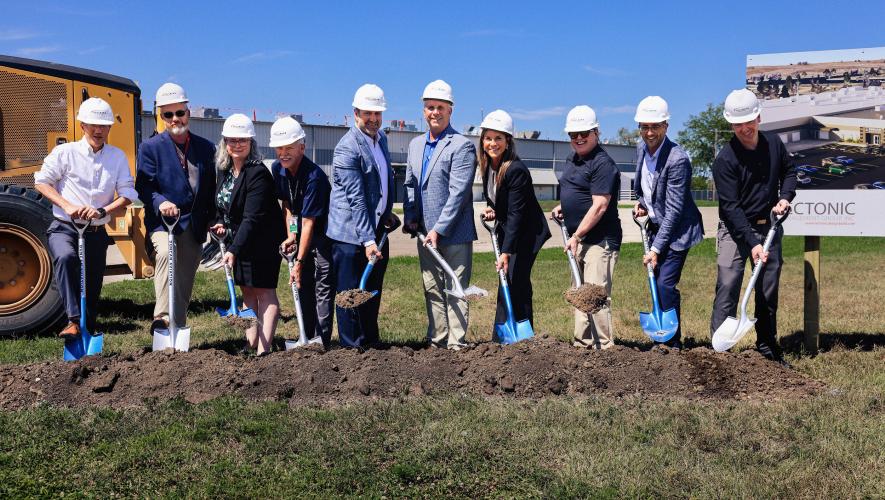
<point>233,310</point>
<point>368,270</point>
<point>86,344</point>
<point>511,331</point>
<point>659,325</point>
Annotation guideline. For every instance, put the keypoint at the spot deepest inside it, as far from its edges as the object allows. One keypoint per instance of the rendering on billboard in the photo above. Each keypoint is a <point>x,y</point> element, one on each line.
<point>828,107</point>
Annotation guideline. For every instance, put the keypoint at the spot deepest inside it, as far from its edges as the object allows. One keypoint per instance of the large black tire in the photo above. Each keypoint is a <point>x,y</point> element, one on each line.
<point>25,216</point>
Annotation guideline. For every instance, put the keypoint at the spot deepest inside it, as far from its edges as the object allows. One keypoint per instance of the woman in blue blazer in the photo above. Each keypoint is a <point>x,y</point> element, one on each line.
<point>522,228</point>
<point>247,205</point>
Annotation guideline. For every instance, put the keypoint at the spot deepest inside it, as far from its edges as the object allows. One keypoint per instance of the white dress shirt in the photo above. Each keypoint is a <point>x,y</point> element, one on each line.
<point>650,165</point>
<point>381,162</point>
<point>84,177</point>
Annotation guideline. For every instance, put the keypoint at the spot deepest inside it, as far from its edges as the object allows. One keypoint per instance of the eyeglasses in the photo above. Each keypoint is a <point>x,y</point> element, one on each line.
<point>655,127</point>
<point>581,135</point>
<point>169,114</point>
<point>237,141</point>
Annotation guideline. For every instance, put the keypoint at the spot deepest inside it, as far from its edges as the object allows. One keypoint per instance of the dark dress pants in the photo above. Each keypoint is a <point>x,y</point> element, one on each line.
<point>317,291</point>
<point>519,275</point>
<point>731,260</point>
<point>66,268</point>
<point>357,327</point>
<point>667,275</point>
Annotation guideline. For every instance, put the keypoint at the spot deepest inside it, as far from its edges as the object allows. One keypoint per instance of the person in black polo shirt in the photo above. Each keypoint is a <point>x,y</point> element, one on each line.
<point>589,188</point>
<point>753,175</point>
<point>304,190</point>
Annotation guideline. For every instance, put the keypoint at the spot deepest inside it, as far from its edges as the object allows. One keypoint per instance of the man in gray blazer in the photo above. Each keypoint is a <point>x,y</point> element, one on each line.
<point>439,202</point>
<point>663,192</point>
<point>359,207</point>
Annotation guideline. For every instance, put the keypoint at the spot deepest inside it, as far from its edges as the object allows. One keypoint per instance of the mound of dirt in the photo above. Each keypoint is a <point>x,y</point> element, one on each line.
<point>349,299</point>
<point>537,368</point>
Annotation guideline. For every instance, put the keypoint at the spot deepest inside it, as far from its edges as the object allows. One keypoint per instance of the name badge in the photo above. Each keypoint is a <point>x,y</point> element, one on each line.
<point>293,225</point>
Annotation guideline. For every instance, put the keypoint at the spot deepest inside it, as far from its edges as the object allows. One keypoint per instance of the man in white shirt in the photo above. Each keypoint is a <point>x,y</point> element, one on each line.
<point>81,179</point>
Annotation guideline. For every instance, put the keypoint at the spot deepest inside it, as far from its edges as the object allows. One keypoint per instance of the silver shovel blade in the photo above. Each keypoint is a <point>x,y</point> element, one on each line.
<point>295,344</point>
<point>730,332</point>
<point>163,339</point>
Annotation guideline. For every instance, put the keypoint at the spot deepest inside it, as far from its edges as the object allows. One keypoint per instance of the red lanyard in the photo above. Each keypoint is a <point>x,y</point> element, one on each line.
<point>182,156</point>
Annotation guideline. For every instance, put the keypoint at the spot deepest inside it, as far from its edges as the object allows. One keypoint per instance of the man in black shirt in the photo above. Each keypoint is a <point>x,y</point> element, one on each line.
<point>304,190</point>
<point>754,176</point>
<point>589,188</point>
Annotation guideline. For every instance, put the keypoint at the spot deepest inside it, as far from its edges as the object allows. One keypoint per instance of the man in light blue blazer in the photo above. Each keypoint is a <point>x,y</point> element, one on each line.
<point>359,208</point>
<point>439,202</point>
<point>663,192</point>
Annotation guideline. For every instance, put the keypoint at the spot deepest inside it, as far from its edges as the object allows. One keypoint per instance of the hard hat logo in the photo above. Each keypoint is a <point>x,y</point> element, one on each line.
<point>652,109</point>
<point>238,125</point>
<point>741,106</point>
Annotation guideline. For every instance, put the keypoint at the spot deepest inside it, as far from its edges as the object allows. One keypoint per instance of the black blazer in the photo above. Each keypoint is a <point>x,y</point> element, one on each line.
<point>255,216</point>
<point>521,222</point>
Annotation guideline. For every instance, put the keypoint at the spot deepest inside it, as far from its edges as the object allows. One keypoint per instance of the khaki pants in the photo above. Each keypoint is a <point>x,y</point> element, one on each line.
<point>187,259</point>
<point>447,316</point>
<point>597,264</point>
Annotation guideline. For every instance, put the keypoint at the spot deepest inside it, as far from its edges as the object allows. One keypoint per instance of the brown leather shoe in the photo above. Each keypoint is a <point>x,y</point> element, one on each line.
<point>159,323</point>
<point>70,331</point>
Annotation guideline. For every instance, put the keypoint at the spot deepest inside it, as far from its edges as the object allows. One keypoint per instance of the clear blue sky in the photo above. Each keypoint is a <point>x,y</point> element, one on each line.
<point>533,59</point>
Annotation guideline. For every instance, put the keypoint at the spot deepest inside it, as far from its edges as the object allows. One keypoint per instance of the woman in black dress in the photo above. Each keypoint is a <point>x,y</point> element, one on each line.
<point>247,205</point>
<point>510,194</point>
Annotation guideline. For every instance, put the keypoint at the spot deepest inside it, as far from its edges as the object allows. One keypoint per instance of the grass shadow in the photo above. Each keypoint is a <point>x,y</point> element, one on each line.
<point>137,310</point>
<point>795,342</point>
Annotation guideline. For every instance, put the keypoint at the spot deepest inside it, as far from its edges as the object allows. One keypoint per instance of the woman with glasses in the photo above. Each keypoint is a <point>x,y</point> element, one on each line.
<point>247,206</point>
<point>521,229</point>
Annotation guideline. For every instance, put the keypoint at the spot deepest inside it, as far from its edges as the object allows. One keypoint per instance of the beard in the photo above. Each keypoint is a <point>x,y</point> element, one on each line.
<point>178,130</point>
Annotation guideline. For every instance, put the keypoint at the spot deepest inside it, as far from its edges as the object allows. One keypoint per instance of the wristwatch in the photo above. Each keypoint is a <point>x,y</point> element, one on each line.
<point>102,213</point>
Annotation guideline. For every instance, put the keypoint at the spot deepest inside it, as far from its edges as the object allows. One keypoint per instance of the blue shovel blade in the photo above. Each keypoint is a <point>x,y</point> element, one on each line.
<point>505,334</point>
<point>84,345</point>
<point>245,313</point>
<point>663,331</point>
<point>524,330</point>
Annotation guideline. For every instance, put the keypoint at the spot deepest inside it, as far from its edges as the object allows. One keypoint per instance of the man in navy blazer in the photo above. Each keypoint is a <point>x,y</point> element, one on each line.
<point>175,178</point>
<point>359,209</point>
<point>439,202</point>
<point>663,192</point>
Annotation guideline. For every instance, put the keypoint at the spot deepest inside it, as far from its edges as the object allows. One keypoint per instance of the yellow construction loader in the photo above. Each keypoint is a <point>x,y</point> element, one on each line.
<point>38,105</point>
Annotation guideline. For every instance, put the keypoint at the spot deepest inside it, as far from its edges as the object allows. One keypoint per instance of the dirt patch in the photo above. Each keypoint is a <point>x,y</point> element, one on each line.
<point>537,368</point>
<point>349,299</point>
<point>587,298</point>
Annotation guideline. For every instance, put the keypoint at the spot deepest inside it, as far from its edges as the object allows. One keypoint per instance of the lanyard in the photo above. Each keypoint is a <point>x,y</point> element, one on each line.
<point>182,155</point>
<point>297,229</point>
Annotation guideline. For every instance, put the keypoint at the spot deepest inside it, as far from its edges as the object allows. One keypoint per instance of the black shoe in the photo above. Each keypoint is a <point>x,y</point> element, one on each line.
<point>159,323</point>
<point>674,344</point>
<point>773,354</point>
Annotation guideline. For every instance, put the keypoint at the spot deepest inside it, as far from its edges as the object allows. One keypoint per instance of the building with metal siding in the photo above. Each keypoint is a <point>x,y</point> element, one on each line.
<point>543,157</point>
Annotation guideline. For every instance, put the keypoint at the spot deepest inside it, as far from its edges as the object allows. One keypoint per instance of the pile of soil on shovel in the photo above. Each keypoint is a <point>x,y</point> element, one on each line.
<point>534,369</point>
<point>349,299</point>
<point>587,298</point>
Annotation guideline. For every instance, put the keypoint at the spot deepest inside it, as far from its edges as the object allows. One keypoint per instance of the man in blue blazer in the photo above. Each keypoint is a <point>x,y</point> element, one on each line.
<point>175,178</point>
<point>663,192</point>
<point>359,209</point>
<point>439,202</point>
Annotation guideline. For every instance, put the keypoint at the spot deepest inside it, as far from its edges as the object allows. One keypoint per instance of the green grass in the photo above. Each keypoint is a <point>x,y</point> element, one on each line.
<point>826,447</point>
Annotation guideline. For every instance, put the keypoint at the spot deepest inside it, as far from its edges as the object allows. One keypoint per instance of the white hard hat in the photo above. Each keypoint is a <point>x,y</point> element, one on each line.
<point>581,118</point>
<point>238,125</point>
<point>369,97</point>
<point>741,106</point>
<point>652,109</point>
<point>498,120</point>
<point>95,111</point>
<point>170,93</point>
<point>438,89</point>
<point>285,131</point>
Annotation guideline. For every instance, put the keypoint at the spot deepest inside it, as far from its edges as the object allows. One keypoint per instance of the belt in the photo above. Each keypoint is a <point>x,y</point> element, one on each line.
<point>90,229</point>
<point>761,222</point>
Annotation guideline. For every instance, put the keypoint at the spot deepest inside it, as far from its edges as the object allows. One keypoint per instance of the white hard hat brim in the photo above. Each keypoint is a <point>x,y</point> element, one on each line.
<point>647,119</point>
<point>369,107</point>
<point>238,135</point>
<point>284,142</point>
<point>96,121</point>
<point>742,119</point>
<point>572,128</point>
<point>497,129</point>
<point>172,101</point>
